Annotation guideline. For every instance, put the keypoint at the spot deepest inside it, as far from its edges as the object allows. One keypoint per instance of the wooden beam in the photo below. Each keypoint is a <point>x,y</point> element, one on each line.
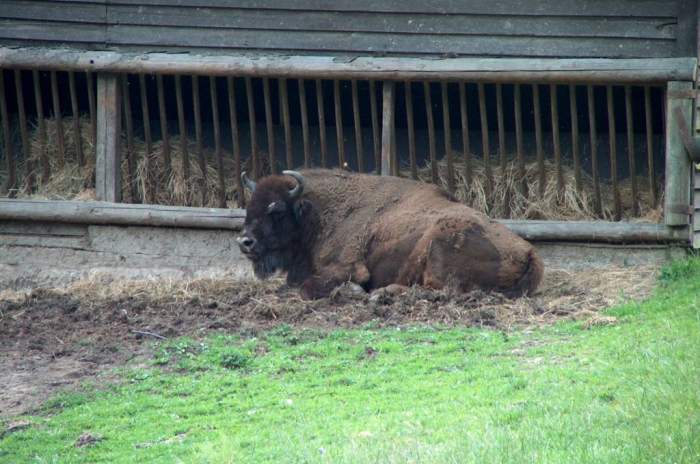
<point>506,70</point>
<point>387,126</point>
<point>95,212</point>
<point>678,165</point>
<point>108,162</point>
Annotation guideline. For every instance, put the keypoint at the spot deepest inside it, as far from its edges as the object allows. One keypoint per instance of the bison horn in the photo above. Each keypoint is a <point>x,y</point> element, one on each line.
<point>249,184</point>
<point>296,191</point>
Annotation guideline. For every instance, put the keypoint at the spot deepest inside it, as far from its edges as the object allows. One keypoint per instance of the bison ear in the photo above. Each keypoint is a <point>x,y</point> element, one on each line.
<point>301,209</point>
<point>276,207</point>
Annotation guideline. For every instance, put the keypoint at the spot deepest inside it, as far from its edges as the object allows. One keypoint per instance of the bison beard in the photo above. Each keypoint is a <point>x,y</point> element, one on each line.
<point>326,227</point>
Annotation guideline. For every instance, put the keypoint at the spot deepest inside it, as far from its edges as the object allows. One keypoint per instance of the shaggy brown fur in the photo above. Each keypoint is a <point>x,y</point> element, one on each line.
<point>376,231</point>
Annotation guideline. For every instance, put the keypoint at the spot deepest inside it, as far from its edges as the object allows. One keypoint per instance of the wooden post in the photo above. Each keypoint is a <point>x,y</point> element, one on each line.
<point>321,121</point>
<point>358,128</point>
<point>387,126</point>
<point>93,111</point>
<point>284,105</point>
<point>630,149</point>
<point>520,151</point>
<point>431,132</point>
<point>11,185</point>
<point>411,130</point>
<point>167,161</point>
<point>447,132</point>
<point>575,137</point>
<point>303,107</point>
<point>235,140</point>
<point>58,120</point>
<point>554,110</point>
<point>466,145</point>
<point>41,127</point>
<point>538,138</point>
<point>182,125</point>
<point>213,94</point>
<point>340,138</point>
<point>594,149</point>
<point>198,138</point>
<point>130,155</point>
<point>26,146</point>
<point>77,137</point>
<point>145,114</point>
<point>501,128</point>
<point>678,165</point>
<point>650,146</point>
<point>376,139</point>
<point>612,135</point>
<point>253,129</point>
<point>108,162</point>
<point>486,149</point>
<point>270,128</point>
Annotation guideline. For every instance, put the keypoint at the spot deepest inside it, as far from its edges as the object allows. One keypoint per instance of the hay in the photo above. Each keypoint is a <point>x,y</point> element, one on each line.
<point>152,183</point>
<point>508,201</point>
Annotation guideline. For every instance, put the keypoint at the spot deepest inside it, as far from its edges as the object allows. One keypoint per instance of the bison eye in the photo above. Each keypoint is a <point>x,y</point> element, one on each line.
<point>276,207</point>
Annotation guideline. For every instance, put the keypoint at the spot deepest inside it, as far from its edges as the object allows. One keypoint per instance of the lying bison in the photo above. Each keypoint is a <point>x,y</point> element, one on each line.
<point>326,227</point>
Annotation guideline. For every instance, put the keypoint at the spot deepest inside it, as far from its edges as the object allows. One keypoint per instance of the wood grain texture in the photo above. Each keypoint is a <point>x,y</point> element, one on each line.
<point>108,162</point>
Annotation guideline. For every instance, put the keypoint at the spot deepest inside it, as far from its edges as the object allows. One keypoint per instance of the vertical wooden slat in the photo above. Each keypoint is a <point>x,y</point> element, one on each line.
<point>387,126</point>
<point>148,138</point>
<point>630,149</point>
<point>554,111</point>
<point>92,109</point>
<point>447,131</point>
<point>501,128</point>
<point>431,132</point>
<point>213,93</point>
<point>485,138</point>
<point>41,127</point>
<point>253,136</point>
<point>235,141</point>
<point>538,138</point>
<point>340,139</point>
<point>410,127</point>
<point>145,114</point>
<point>617,201</point>
<point>78,139</point>
<point>196,107</point>
<point>677,200</point>
<point>108,161</point>
<point>304,123</point>
<point>466,145</point>
<point>182,128</point>
<point>376,142</point>
<point>11,184</point>
<point>520,151</point>
<point>573,105</point>
<point>394,159</point>
<point>358,128</point>
<point>650,146</point>
<point>269,127</point>
<point>321,121</point>
<point>58,120</point>
<point>284,103</point>
<point>129,124</point>
<point>24,135</point>
<point>163,116</point>
<point>594,149</point>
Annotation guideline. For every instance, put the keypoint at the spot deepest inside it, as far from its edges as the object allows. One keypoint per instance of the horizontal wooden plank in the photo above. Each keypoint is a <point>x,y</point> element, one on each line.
<point>475,69</point>
<point>95,212</point>
<point>652,8</point>
<point>363,43</point>
<point>51,31</point>
<point>52,11</point>
<point>233,18</point>
<point>232,219</point>
<point>596,231</point>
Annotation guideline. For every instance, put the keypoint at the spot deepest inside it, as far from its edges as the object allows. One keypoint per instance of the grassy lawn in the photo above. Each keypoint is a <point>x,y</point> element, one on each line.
<point>625,392</point>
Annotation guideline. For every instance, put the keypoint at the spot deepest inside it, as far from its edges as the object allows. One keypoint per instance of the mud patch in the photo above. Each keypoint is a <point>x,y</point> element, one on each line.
<point>51,339</point>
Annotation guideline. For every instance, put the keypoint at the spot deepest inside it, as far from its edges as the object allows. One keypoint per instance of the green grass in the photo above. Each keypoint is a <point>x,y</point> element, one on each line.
<point>624,393</point>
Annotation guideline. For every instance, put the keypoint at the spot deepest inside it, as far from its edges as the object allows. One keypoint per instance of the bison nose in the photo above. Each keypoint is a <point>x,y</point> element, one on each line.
<point>246,244</point>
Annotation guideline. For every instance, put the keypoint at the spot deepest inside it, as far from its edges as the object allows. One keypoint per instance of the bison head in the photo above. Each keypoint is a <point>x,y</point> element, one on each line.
<point>273,233</point>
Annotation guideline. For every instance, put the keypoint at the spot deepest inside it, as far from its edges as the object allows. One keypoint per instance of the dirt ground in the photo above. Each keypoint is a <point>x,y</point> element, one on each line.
<point>53,339</point>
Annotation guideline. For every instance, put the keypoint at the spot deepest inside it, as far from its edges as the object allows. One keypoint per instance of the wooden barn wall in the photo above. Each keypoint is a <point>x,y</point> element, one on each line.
<point>542,28</point>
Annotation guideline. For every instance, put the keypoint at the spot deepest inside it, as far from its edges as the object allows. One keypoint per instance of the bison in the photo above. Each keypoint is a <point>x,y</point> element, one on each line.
<point>327,227</point>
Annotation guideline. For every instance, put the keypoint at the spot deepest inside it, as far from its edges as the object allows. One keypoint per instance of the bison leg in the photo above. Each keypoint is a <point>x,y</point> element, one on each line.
<point>327,279</point>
